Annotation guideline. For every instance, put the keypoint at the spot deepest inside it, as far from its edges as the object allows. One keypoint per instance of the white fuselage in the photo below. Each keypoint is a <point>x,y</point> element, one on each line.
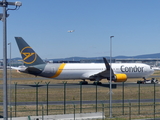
<point>85,70</point>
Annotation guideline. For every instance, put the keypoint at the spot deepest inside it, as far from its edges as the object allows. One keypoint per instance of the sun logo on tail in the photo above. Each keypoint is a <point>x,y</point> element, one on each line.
<point>28,55</point>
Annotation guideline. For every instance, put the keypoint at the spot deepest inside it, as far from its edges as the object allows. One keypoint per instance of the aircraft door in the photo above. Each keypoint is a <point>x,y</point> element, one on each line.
<point>48,71</point>
<point>52,70</point>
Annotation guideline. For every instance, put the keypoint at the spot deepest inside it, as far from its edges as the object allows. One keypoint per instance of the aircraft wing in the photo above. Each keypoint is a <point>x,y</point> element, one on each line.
<point>105,73</point>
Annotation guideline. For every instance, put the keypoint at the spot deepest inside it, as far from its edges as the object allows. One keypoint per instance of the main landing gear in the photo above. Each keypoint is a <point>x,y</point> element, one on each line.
<point>97,83</point>
<point>84,82</point>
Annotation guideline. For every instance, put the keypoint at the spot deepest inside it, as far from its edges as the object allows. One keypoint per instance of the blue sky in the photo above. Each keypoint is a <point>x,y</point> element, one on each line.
<point>135,25</point>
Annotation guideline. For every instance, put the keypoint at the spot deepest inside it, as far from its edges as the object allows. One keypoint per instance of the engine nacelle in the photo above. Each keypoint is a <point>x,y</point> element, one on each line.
<point>120,77</point>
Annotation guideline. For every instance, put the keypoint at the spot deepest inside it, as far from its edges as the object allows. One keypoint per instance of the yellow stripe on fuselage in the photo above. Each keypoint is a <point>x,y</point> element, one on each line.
<point>58,72</point>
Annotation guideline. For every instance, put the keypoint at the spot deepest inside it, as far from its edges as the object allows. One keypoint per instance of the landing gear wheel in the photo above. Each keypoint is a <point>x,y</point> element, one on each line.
<point>98,83</point>
<point>83,82</point>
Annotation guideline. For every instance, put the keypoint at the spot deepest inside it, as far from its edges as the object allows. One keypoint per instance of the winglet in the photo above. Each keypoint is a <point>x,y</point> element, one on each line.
<point>108,67</point>
<point>29,56</point>
<point>106,63</point>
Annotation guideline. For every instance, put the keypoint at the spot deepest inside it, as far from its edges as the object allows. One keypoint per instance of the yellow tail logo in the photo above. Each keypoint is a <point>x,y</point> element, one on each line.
<point>28,55</point>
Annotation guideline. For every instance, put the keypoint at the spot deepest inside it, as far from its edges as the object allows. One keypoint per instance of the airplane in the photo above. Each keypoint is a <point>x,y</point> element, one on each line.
<point>156,68</point>
<point>118,72</point>
<point>70,31</point>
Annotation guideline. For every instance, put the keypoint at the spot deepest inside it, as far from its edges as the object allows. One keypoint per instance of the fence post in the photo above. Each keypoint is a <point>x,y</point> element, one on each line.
<point>15,97</point>
<point>154,100</point>
<point>74,112</point>
<point>10,112</point>
<point>80,97</point>
<point>139,98</point>
<point>42,112</point>
<point>123,98</point>
<point>29,118</point>
<point>130,111</point>
<point>37,97</point>
<point>47,83</point>
<point>103,114</point>
<point>64,97</point>
<point>96,96</point>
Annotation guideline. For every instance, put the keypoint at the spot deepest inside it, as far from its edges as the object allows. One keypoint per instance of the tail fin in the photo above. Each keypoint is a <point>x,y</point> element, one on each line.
<point>29,57</point>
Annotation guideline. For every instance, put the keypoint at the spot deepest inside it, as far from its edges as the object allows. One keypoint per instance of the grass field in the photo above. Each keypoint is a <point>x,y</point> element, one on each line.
<point>73,94</point>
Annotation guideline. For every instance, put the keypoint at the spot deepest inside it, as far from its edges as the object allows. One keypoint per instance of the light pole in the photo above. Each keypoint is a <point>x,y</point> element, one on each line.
<point>5,5</point>
<point>10,75</point>
<point>110,82</point>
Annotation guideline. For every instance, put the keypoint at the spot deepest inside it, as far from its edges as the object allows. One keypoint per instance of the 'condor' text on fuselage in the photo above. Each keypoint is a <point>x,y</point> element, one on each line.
<point>131,69</point>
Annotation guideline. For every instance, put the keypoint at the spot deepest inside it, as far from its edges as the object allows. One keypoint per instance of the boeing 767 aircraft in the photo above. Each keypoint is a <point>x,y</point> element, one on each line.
<point>86,71</point>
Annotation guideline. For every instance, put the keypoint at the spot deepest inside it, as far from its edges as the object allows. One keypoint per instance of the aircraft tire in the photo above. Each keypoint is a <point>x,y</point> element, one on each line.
<point>98,83</point>
<point>84,82</point>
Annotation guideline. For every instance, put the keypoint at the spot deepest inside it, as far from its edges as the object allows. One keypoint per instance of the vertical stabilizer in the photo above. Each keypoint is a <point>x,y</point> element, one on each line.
<point>29,56</point>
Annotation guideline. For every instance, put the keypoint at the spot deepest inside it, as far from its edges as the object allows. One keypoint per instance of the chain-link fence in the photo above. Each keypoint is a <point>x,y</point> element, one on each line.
<point>129,100</point>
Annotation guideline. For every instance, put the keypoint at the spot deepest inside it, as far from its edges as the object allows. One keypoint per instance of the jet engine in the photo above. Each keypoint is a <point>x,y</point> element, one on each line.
<point>120,77</point>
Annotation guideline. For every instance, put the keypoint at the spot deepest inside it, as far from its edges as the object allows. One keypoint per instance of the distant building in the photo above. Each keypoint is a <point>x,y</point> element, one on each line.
<point>149,61</point>
<point>96,61</point>
<point>66,61</point>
